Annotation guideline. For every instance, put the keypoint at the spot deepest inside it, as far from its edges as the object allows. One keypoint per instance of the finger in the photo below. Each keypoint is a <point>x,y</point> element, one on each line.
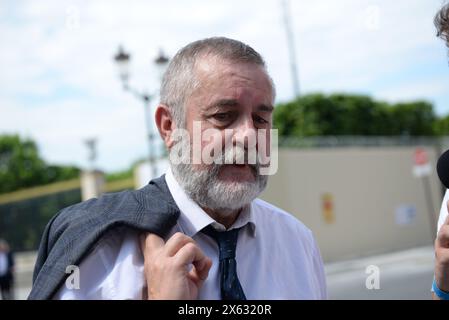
<point>151,242</point>
<point>189,253</point>
<point>443,236</point>
<point>142,241</point>
<point>176,242</point>
<point>200,269</point>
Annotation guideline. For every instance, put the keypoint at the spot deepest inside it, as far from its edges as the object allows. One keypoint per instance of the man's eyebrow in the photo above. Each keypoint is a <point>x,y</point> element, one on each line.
<point>234,103</point>
<point>223,103</point>
<point>266,108</point>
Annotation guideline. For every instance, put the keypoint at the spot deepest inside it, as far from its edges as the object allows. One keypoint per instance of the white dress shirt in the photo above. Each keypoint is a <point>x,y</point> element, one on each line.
<point>277,257</point>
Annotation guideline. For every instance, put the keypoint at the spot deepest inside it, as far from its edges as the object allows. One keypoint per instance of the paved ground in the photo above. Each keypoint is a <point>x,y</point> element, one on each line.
<point>24,273</point>
<point>402,275</point>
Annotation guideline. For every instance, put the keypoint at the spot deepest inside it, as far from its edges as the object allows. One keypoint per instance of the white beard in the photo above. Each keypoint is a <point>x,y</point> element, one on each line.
<point>205,188</point>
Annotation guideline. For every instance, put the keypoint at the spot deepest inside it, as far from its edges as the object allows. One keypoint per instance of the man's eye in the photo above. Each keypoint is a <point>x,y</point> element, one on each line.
<point>260,120</point>
<point>222,116</point>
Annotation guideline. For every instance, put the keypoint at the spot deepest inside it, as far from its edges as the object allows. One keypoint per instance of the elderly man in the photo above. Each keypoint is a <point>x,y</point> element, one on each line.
<point>440,287</point>
<point>197,232</point>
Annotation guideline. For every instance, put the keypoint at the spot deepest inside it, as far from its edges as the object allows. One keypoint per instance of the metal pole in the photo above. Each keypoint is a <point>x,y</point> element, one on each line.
<point>291,47</point>
<point>149,122</point>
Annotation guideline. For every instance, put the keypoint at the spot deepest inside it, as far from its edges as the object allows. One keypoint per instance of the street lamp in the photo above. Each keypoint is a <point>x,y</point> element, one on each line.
<point>161,62</point>
<point>122,59</point>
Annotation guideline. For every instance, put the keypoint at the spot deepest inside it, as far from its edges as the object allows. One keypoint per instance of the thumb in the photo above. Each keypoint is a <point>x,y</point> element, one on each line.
<point>200,270</point>
<point>150,242</point>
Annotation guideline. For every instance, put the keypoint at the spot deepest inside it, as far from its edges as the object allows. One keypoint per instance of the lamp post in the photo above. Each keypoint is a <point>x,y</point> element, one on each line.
<point>92,179</point>
<point>91,144</point>
<point>122,59</point>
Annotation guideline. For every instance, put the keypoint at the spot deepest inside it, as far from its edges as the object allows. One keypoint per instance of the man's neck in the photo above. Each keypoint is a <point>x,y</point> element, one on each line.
<point>225,218</point>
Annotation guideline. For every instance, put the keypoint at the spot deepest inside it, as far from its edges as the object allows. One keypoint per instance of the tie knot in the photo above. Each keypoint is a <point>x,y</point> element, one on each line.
<point>226,240</point>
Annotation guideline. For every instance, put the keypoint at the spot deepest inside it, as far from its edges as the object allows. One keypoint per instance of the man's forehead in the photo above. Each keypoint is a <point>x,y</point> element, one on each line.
<point>214,74</point>
<point>216,67</point>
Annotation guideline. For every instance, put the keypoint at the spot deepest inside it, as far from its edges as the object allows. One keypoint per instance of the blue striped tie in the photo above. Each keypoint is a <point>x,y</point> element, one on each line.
<point>229,283</point>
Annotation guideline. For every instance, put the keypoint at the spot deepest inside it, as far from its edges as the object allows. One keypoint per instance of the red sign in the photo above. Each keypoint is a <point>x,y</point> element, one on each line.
<point>421,167</point>
<point>420,157</point>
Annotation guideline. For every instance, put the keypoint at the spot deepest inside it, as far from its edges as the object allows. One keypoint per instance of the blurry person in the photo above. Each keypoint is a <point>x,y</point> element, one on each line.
<point>441,22</point>
<point>199,231</point>
<point>6,271</point>
<point>440,286</point>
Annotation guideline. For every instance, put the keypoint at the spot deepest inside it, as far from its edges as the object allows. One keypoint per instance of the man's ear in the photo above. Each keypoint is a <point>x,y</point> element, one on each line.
<point>165,124</point>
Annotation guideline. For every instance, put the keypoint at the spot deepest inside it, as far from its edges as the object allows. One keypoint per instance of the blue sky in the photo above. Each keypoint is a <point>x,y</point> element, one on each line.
<point>59,84</point>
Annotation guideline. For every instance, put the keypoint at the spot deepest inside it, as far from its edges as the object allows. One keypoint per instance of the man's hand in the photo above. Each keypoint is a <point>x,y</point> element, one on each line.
<point>167,267</point>
<point>442,256</point>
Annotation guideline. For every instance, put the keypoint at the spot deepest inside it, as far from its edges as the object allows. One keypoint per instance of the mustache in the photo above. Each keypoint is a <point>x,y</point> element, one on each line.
<point>237,155</point>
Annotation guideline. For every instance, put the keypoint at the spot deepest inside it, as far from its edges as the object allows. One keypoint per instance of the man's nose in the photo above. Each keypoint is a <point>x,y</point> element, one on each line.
<point>244,133</point>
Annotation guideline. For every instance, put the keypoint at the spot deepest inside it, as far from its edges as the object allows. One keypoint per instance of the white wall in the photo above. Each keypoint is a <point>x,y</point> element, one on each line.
<point>367,185</point>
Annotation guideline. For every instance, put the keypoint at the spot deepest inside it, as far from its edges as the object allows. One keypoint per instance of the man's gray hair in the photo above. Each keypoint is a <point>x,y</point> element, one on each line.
<point>179,80</point>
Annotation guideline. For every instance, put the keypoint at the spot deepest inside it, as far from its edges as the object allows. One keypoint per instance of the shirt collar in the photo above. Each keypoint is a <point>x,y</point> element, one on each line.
<point>193,218</point>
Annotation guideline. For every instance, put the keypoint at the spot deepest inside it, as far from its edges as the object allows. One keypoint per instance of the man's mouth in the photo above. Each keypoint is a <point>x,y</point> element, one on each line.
<point>241,170</point>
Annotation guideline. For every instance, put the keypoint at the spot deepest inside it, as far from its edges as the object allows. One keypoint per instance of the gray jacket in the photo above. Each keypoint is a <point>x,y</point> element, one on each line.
<point>71,233</point>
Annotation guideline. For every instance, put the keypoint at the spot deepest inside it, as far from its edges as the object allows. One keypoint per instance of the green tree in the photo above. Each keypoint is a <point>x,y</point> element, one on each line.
<point>359,115</point>
<point>308,115</point>
<point>441,126</point>
<point>344,114</point>
<point>414,118</point>
<point>22,167</point>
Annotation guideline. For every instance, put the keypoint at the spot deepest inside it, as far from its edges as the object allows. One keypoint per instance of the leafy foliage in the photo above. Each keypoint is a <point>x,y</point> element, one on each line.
<point>22,167</point>
<point>343,114</point>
